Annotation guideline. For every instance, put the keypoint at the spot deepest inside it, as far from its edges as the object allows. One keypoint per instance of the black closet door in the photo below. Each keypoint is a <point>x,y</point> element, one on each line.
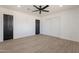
<point>8,27</point>
<point>37,27</point>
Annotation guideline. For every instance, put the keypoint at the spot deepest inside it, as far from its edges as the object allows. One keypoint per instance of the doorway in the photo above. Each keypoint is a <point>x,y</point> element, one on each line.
<point>37,24</point>
<point>8,27</point>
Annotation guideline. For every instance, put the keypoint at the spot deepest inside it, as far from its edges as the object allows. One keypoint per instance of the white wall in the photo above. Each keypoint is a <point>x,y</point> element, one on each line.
<point>64,24</point>
<point>50,26</point>
<point>24,24</point>
<point>1,28</point>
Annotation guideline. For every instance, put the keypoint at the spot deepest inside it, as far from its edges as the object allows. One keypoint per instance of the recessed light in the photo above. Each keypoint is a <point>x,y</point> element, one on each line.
<point>60,5</point>
<point>18,5</point>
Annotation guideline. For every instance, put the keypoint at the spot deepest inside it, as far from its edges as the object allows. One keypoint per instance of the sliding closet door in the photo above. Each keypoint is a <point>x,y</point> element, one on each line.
<point>8,26</point>
<point>37,26</point>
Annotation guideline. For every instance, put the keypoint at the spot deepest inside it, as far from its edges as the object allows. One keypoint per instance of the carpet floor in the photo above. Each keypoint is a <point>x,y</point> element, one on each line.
<point>39,44</point>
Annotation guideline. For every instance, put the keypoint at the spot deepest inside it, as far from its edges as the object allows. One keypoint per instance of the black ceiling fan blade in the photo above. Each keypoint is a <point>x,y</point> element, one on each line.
<point>45,10</point>
<point>35,6</point>
<point>45,6</point>
<point>35,10</point>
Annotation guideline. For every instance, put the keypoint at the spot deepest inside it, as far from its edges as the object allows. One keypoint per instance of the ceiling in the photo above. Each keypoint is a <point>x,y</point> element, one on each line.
<point>29,9</point>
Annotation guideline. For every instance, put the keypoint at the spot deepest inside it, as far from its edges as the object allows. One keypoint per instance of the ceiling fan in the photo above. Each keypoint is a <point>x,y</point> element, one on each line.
<point>41,8</point>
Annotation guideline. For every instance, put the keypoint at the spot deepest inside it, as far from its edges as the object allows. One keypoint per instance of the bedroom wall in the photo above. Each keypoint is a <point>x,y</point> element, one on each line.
<point>64,24</point>
<point>24,24</point>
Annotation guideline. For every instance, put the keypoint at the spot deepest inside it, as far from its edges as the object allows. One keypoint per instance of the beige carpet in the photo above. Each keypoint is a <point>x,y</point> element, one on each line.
<point>39,44</point>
